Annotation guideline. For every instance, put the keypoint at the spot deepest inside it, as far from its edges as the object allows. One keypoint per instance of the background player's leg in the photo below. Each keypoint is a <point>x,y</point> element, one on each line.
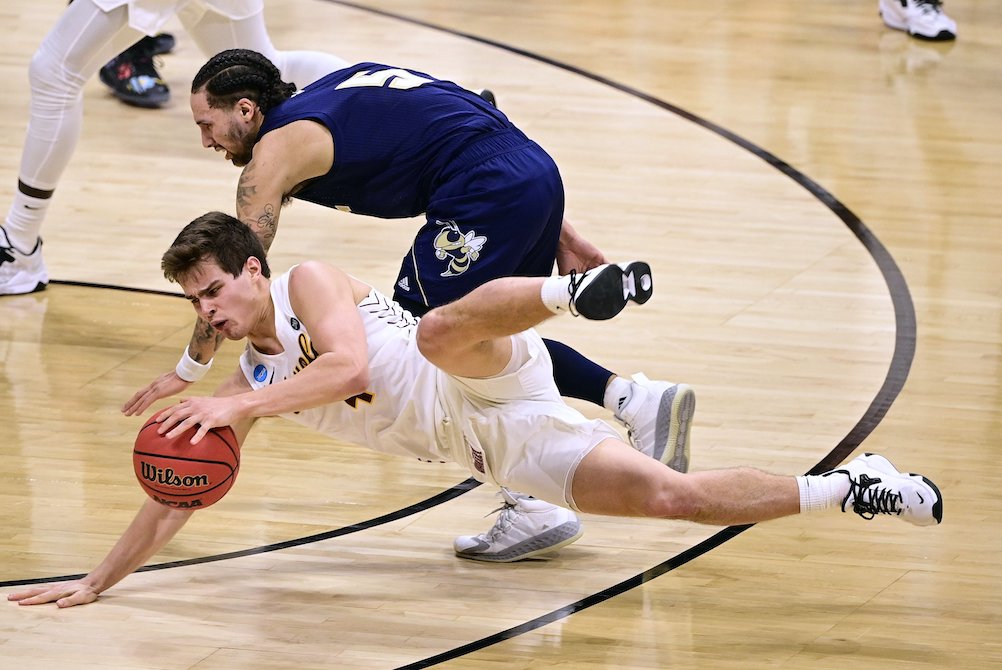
<point>82,40</point>
<point>214,32</point>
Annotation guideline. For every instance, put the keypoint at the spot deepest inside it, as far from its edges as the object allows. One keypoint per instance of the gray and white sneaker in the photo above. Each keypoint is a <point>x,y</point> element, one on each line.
<point>525,528</point>
<point>877,488</point>
<point>21,272</point>
<point>658,417</point>
<point>602,292</point>
<point>923,19</point>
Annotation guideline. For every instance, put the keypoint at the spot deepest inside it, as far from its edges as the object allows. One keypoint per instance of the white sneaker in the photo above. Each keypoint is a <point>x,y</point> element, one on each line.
<point>876,487</point>
<point>602,292</point>
<point>923,19</point>
<point>658,416</point>
<point>525,528</point>
<point>20,272</point>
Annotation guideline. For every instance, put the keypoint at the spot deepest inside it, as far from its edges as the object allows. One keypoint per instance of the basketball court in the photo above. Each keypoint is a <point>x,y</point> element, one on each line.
<point>818,198</point>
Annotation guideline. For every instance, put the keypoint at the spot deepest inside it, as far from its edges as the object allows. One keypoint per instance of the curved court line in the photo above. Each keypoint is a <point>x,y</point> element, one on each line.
<point>900,365</point>
<point>894,380</point>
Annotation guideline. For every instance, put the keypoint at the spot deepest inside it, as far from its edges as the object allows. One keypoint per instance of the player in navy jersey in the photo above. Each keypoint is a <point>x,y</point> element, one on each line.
<point>390,142</point>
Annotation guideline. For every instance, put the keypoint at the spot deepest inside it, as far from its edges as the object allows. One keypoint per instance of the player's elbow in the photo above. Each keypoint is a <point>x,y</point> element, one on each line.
<point>356,379</point>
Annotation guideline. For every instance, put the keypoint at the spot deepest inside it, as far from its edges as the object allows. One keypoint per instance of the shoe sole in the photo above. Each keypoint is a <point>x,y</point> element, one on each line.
<point>881,464</point>
<point>551,541</point>
<point>6,290</point>
<point>682,406</point>
<point>144,100</point>
<point>898,24</point>
<point>616,285</point>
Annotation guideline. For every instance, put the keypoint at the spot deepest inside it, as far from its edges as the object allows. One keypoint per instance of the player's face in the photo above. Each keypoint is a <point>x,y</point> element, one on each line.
<point>232,131</point>
<point>226,302</point>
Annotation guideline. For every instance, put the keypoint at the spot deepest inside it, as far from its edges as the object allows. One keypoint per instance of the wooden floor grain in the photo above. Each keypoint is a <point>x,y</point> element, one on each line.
<point>726,143</point>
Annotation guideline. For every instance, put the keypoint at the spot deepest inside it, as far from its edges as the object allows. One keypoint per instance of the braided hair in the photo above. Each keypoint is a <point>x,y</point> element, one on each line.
<point>241,73</point>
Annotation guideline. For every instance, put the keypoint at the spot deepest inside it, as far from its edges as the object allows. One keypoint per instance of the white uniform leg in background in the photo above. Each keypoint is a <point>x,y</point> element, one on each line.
<point>83,39</point>
<point>214,32</point>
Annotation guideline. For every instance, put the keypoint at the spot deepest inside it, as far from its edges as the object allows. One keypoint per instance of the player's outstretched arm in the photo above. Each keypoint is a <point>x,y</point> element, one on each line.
<point>152,528</point>
<point>193,365</point>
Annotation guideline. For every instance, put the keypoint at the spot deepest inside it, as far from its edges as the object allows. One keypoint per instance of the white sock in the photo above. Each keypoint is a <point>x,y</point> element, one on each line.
<point>822,492</point>
<point>24,220</point>
<point>555,294</point>
<point>617,394</point>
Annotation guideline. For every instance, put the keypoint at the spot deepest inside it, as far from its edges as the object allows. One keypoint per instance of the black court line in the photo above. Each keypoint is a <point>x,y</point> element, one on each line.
<point>900,365</point>
<point>428,503</point>
<point>897,373</point>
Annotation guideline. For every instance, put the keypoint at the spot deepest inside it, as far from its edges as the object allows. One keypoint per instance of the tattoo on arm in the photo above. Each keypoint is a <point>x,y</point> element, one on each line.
<point>263,222</point>
<point>203,335</point>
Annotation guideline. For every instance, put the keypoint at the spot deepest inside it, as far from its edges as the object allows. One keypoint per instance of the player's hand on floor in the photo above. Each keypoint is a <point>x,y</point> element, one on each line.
<point>164,386</point>
<point>64,594</point>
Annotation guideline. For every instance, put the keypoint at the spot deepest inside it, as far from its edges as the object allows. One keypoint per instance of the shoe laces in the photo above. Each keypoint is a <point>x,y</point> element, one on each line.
<point>869,500</point>
<point>929,6</point>
<point>506,518</point>
<point>576,279</point>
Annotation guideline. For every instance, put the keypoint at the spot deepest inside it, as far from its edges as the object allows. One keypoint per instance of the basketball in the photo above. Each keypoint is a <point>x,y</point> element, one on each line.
<point>182,475</point>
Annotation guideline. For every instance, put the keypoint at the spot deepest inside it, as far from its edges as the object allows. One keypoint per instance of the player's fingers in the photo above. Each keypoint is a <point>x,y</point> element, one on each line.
<point>81,597</point>
<point>144,403</point>
<point>168,418</point>
<point>129,408</point>
<point>181,427</point>
<point>29,593</point>
<point>200,433</point>
<point>41,598</point>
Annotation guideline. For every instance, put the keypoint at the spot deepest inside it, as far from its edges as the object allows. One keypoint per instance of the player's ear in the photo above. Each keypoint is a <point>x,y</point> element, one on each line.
<point>246,108</point>
<point>252,266</point>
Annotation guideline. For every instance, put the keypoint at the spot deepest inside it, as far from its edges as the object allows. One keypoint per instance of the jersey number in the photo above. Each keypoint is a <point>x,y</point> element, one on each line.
<point>398,79</point>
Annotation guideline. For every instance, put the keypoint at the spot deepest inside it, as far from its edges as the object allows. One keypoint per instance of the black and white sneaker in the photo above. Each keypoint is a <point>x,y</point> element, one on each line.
<point>602,292</point>
<point>133,77</point>
<point>21,272</point>
<point>877,488</point>
<point>923,19</point>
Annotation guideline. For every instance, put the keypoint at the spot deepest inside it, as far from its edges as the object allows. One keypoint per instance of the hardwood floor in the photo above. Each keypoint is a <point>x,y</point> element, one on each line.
<point>818,197</point>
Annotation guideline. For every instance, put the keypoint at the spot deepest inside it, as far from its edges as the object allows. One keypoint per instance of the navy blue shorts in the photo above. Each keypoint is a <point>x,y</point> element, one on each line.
<point>496,212</point>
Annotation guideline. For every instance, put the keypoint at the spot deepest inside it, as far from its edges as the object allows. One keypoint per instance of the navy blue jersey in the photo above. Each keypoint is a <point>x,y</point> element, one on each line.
<point>394,131</point>
<point>406,143</point>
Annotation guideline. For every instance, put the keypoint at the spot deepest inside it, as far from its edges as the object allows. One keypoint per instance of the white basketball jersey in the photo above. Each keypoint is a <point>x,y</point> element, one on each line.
<point>398,413</point>
<point>149,16</point>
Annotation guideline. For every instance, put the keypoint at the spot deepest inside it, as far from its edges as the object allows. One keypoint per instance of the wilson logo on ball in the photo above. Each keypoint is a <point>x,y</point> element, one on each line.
<point>167,477</point>
<point>182,475</point>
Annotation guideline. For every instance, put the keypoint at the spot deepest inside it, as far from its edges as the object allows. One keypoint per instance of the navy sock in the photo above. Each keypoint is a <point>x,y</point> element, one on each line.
<point>577,376</point>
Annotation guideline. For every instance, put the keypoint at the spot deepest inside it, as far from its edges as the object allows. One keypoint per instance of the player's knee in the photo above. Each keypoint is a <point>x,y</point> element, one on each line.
<point>51,80</point>
<point>434,335</point>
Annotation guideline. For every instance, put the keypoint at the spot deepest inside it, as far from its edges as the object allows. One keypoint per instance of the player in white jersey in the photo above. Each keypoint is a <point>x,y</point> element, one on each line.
<point>411,408</point>
<point>86,36</point>
<point>483,396</point>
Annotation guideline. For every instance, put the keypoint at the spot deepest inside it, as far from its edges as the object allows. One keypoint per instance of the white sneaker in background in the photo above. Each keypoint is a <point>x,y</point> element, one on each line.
<point>21,272</point>
<point>923,19</point>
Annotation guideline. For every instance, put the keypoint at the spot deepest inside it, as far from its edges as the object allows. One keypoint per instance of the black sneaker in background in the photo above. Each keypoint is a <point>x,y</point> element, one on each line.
<point>132,76</point>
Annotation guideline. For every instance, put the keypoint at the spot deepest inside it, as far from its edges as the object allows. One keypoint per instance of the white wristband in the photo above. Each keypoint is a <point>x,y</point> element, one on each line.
<point>191,370</point>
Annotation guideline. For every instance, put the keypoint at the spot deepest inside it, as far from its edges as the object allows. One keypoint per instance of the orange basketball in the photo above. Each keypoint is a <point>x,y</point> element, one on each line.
<point>182,475</point>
